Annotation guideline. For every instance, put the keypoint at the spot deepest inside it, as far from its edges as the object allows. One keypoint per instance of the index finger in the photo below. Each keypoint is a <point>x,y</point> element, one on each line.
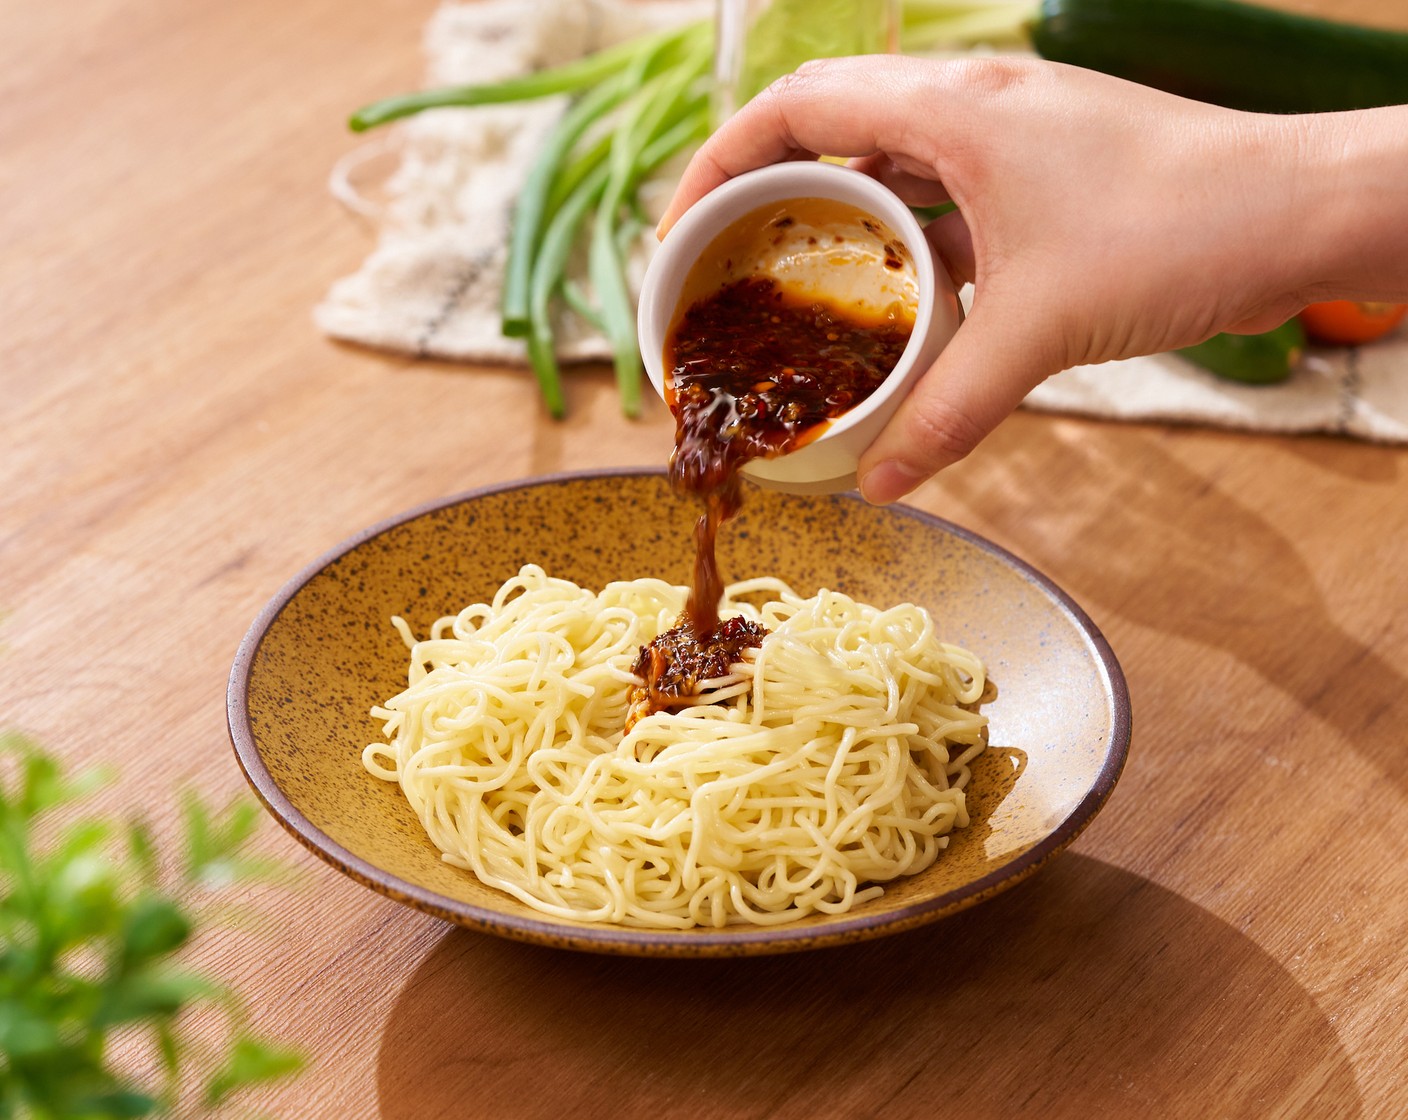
<point>835,106</point>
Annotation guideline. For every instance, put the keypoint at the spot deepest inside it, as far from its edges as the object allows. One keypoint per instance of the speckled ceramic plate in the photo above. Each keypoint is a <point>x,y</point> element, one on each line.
<point>323,652</point>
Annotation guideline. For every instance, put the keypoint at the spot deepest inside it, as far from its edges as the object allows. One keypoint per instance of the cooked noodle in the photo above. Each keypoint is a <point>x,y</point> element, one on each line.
<point>833,760</point>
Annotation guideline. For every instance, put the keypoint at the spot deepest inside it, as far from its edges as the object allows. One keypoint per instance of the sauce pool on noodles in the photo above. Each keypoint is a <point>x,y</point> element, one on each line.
<point>755,371</point>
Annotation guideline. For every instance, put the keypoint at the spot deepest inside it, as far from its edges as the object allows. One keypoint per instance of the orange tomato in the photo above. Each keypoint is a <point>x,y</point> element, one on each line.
<point>1343,322</point>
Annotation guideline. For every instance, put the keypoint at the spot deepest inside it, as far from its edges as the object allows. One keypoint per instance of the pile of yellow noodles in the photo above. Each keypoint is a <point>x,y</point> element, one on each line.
<point>832,760</point>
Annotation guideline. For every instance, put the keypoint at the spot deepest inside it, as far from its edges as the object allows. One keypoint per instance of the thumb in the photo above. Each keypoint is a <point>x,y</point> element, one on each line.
<point>981,376</point>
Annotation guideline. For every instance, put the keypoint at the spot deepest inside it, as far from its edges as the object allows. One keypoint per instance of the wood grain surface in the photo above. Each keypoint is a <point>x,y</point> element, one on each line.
<point>1227,939</point>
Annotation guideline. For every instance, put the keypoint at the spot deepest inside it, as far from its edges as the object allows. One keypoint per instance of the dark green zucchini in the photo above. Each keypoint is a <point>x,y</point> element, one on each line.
<point>1242,56</point>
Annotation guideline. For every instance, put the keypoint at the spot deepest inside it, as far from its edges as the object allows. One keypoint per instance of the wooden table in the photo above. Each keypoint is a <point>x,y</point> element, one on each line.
<point>1227,939</point>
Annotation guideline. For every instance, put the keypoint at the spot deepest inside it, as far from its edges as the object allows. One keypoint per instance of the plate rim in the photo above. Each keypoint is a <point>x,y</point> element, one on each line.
<point>698,942</point>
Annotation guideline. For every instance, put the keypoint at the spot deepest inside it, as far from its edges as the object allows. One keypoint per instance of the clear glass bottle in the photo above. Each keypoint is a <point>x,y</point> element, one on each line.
<point>757,41</point>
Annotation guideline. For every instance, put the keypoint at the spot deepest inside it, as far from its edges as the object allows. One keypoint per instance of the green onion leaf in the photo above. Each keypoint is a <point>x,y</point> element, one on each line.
<point>572,77</point>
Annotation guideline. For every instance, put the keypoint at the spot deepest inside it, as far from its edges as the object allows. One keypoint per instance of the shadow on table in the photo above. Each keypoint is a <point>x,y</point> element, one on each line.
<point>1086,992</point>
<point>1167,549</point>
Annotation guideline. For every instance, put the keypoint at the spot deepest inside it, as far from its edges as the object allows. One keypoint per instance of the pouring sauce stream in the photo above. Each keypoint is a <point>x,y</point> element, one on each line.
<point>754,371</point>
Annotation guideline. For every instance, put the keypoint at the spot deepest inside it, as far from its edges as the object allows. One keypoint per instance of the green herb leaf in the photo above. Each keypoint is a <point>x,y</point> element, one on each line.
<point>25,1035</point>
<point>87,939</point>
<point>42,784</point>
<point>80,899</point>
<point>154,927</point>
<point>213,839</point>
<point>151,995</point>
<point>121,1105</point>
<point>252,1061</point>
<point>142,849</point>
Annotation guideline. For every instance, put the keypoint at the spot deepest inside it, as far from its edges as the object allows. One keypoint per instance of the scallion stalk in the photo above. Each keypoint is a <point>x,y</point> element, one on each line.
<point>561,232</point>
<point>572,77</point>
<point>660,101</point>
<point>552,178</point>
<point>533,206</point>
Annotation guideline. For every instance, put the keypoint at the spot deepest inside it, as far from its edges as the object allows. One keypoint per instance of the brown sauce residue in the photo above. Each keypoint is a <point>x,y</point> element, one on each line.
<point>675,664</point>
<point>755,371</point>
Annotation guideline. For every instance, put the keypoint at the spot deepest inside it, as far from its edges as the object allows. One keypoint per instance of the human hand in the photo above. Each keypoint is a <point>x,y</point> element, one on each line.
<point>1097,219</point>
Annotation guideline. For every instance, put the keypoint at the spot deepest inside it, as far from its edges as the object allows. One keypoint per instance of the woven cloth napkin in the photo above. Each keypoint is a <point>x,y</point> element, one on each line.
<point>440,189</point>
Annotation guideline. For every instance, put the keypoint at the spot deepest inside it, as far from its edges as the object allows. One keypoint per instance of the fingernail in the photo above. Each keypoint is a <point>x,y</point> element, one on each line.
<point>887,481</point>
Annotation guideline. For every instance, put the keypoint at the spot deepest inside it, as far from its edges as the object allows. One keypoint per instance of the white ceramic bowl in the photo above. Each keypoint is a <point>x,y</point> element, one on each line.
<point>828,463</point>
